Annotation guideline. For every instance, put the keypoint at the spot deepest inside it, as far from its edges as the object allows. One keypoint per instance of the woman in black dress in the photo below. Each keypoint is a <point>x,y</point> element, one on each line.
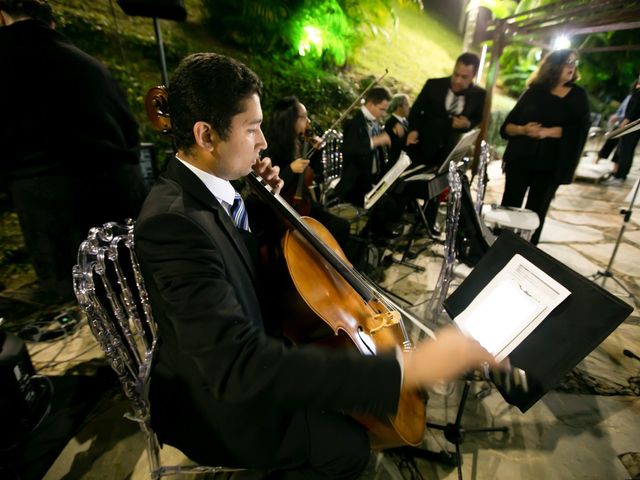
<point>287,132</point>
<point>546,131</point>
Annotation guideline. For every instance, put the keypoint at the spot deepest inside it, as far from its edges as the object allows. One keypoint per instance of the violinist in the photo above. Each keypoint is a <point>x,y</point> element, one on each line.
<point>292,147</point>
<point>397,126</point>
<point>223,390</point>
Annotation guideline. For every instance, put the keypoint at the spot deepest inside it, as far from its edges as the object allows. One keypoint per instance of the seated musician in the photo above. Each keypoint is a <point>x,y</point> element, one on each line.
<point>292,148</point>
<point>397,126</point>
<point>363,152</point>
<point>364,163</point>
<point>223,390</point>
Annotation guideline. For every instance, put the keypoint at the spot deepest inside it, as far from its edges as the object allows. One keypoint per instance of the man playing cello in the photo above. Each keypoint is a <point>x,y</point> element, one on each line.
<point>222,390</point>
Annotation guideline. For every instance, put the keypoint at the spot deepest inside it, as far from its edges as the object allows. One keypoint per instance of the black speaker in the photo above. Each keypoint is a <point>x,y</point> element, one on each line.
<point>167,9</point>
<point>17,398</point>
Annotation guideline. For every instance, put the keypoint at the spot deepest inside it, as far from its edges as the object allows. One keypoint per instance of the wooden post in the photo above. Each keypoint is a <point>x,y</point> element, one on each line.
<point>492,75</point>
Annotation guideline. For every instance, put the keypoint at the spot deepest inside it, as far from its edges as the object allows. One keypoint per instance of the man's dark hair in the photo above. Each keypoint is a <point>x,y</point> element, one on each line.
<point>36,9</point>
<point>377,95</point>
<point>211,88</point>
<point>469,58</point>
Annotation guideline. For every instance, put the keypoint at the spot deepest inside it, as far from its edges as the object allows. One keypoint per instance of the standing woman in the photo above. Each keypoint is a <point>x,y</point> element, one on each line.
<point>546,131</point>
<point>286,133</point>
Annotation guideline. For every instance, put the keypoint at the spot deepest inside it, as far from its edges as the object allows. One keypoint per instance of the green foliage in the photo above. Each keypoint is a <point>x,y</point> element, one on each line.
<point>517,64</point>
<point>324,32</point>
<point>255,25</point>
<point>321,31</point>
<point>608,75</point>
<point>499,8</point>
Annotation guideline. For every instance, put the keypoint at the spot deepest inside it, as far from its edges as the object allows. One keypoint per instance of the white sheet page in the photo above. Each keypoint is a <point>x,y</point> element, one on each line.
<point>511,306</point>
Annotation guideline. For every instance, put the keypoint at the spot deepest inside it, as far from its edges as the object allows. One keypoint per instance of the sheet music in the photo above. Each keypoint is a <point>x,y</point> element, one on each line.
<point>511,306</point>
<point>385,182</point>
<point>412,171</point>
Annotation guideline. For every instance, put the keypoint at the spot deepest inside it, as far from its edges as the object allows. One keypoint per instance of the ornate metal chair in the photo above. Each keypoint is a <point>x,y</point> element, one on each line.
<point>331,162</point>
<point>110,289</point>
<point>331,173</point>
<point>434,307</point>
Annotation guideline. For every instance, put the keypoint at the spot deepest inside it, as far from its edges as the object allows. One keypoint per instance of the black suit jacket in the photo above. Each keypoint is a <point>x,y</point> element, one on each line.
<point>357,158</point>
<point>221,389</point>
<point>430,118</point>
<point>398,144</point>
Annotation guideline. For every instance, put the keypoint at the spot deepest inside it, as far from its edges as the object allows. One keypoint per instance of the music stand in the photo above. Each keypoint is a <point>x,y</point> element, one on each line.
<point>626,213</point>
<point>567,335</point>
<point>622,131</point>
<point>414,187</point>
<point>434,187</point>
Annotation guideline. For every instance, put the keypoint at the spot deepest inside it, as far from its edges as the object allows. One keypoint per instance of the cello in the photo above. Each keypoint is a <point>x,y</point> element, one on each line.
<point>342,307</point>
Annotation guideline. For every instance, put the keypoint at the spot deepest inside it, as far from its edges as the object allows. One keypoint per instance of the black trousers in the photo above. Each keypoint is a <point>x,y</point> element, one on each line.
<point>316,445</point>
<point>57,211</point>
<point>608,147</point>
<point>542,188</point>
<point>624,154</point>
<point>334,447</point>
<point>339,227</point>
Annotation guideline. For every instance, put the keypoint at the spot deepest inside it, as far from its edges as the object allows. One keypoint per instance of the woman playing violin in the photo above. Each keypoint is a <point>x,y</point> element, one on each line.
<point>222,390</point>
<point>293,147</point>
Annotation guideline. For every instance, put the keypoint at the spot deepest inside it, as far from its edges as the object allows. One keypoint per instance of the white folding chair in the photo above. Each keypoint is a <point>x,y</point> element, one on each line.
<point>521,221</point>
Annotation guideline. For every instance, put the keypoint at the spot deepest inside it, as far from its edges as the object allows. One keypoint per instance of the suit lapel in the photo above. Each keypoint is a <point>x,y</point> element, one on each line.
<point>194,187</point>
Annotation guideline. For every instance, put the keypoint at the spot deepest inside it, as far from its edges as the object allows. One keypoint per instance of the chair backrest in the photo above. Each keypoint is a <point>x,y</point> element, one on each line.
<point>110,289</point>
<point>486,155</point>
<point>434,307</point>
<point>331,160</point>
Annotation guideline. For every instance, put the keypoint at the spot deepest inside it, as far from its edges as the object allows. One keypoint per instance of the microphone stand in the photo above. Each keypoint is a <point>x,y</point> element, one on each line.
<point>607,273</point>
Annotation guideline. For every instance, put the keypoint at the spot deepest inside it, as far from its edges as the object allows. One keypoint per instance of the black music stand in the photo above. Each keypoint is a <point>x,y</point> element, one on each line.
<point>607,273</point>
<point>565,337</point>
<point>416,189</point>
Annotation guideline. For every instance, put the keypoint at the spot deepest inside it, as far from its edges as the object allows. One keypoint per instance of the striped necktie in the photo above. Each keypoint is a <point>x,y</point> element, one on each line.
<point>239,213</point>
<point>453,108</point>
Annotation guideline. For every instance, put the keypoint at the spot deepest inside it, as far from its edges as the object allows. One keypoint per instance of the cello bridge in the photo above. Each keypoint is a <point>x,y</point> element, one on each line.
<point>382,320</point>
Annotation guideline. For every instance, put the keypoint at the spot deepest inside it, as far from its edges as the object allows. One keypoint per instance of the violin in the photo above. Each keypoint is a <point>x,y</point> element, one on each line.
<point>340,308</point>
<point>303,195</point>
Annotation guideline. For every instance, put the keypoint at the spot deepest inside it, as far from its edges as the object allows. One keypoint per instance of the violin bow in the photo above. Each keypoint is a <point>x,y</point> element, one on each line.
<point>346,112</point>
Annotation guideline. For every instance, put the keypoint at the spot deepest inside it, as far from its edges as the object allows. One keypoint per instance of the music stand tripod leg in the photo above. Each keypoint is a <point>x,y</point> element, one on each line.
<point>607,273</point>
<point>455,432</point>
<point>405,253</point>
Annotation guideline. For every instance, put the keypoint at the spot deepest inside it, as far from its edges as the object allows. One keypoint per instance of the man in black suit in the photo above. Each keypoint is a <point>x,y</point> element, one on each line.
<point>397,126</point>
<point>445,109</point>
<point>222,390</point>
<point>363,147</point>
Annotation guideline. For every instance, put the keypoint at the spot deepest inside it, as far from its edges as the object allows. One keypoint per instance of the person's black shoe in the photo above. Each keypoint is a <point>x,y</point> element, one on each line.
<point>388,232</point>
<point>394,229</point>
<point>434,231</point>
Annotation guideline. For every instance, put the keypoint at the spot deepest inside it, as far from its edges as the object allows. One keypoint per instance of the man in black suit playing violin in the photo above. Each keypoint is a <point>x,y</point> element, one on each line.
<point>222,390</point>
